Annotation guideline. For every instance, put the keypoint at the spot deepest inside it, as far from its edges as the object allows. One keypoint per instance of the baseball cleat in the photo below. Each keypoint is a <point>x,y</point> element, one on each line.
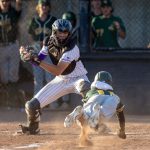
<point>121,134</point>
<point>30,130</point>
<point>71,118</point>
<point>103,129</point>
<point>93,120</point>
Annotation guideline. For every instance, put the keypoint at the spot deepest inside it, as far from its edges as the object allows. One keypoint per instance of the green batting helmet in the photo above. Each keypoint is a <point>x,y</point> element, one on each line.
<point>106,3</point>
<point>103,76</point>
<point>69,15</point>
<point>44,2</point>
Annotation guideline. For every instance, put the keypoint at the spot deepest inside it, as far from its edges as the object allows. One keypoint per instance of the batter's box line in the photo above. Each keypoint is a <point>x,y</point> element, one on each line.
<point>132,133</point>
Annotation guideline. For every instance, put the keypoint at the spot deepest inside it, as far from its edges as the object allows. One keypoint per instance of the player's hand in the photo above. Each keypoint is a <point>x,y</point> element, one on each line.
<point>117,25</point>
<point>22,50</point>
<point>28,54</point>
<point>24,54</point>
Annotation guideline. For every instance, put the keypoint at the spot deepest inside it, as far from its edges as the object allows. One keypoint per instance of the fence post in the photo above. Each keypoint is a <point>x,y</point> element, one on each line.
<point>84,29</point>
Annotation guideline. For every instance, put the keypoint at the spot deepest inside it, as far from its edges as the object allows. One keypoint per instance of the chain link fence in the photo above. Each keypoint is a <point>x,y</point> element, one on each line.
<point>135,15</point>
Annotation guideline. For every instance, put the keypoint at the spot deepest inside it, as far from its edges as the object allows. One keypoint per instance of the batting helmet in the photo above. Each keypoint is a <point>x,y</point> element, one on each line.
<point>103,76</point>
<point>69,15</point>
<point>106,3</point>
<point>44,2</point>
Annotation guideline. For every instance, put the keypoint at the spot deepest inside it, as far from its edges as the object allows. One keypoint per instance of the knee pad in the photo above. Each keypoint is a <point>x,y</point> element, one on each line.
<point>32,108</point>
<point>32,105</point>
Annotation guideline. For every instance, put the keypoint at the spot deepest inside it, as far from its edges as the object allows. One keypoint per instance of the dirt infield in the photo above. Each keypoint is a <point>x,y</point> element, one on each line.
<point>55,136</point>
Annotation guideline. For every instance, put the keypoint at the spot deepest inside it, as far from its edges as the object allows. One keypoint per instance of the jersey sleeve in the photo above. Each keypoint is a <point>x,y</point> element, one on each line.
<point>44,51</point>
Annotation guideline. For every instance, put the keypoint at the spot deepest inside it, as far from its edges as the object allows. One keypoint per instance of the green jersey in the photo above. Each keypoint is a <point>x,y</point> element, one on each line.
<point>106,34</point>
<point>95,91</point>
<point>9,25</point>
<point>40,29</point>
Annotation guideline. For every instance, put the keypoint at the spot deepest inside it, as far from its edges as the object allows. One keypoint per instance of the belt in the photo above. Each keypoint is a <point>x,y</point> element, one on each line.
<point>105,92</point>
<point>6,44</point>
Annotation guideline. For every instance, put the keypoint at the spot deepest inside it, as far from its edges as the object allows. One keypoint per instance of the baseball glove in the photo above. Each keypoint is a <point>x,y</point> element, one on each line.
<point>28,54</point>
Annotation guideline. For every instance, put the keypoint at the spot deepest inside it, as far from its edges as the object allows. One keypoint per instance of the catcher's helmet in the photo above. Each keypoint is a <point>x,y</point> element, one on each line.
<point>61,25</point>
<point>69,15</point>
<point>103,76</point>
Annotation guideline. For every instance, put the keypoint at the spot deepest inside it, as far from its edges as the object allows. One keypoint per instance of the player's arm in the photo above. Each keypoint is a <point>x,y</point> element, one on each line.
<point>121,33</point>
<point>120,30</point>
<point>119,25</point>
<point>54,69</point>
<point>29,56</point>
<point>121,119</point>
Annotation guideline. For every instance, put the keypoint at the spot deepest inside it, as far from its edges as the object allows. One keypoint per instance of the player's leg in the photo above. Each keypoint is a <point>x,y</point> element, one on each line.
<point>94,118</point>
<point>32,108</point>
<point>103,129</point>
<point>73,116</point>
<point>80,85</point>
<point>84,133</point>
<point>91,110</point>
<point>95,110</point>
<point>52,91</point>
<point>108,109</point>
<point>55,89</point>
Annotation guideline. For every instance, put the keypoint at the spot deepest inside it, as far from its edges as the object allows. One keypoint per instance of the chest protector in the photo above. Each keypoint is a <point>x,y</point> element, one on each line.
<point>56,52</point>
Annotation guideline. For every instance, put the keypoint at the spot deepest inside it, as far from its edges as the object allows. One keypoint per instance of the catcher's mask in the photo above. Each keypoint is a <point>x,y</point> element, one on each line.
<point>103,76</point>
<point>63,26</point>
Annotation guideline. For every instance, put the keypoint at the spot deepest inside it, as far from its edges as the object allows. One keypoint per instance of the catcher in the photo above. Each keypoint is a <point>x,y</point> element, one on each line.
<point>100,102</point>
<point>66,65</point>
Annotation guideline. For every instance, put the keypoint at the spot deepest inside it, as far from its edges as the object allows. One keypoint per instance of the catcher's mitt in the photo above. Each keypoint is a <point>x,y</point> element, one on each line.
<point>28,54</point>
